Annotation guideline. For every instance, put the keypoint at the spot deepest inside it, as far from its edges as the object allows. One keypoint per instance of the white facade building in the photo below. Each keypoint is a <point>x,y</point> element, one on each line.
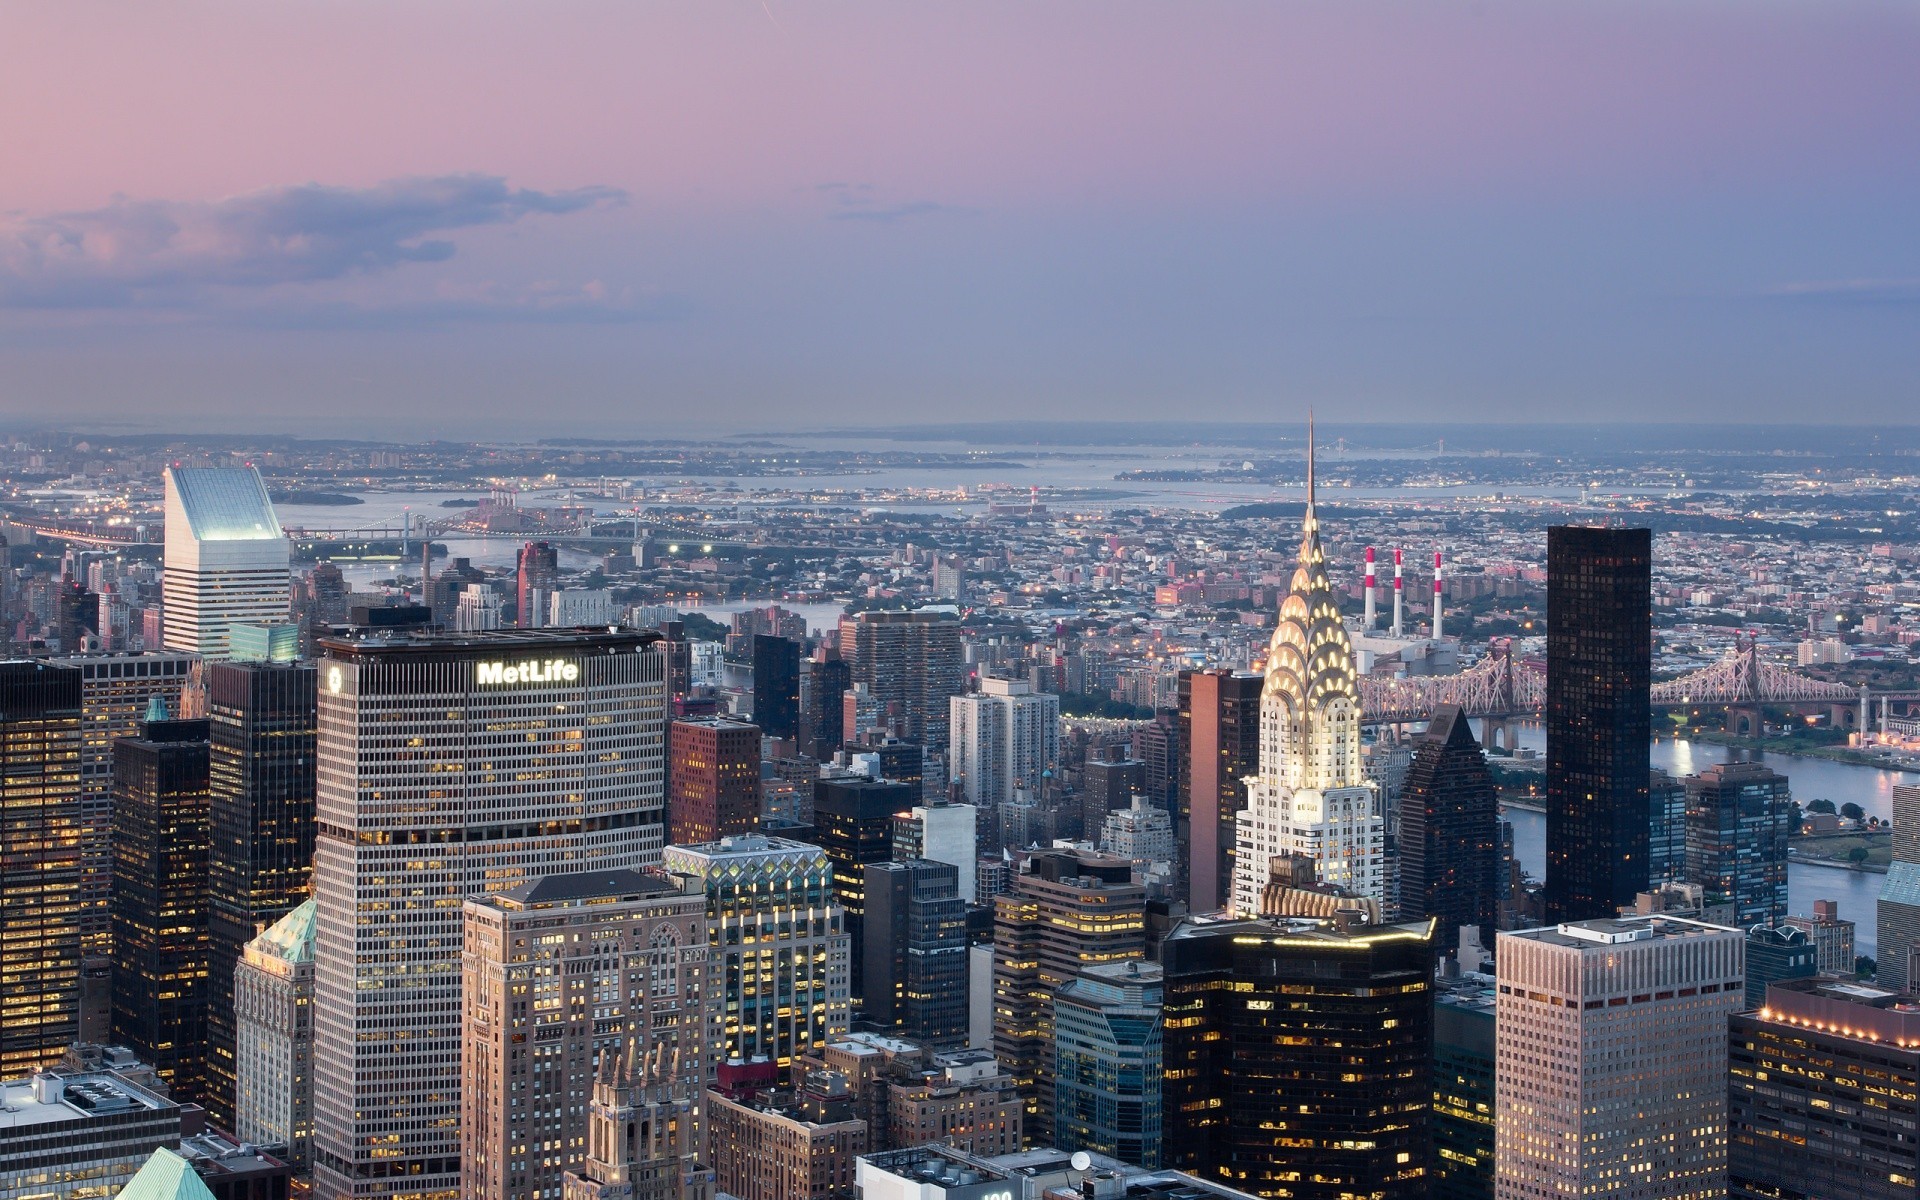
<point>946,833</point>
<point>1142,833</point>
<point>1610,1059</point>
<point>449,767</point>
<point>1312,796</point>
<point>479,609</point>
<point>273,1037</point>
<point>571,607</point>
<point>227,561</point>
<point>1003,739</point>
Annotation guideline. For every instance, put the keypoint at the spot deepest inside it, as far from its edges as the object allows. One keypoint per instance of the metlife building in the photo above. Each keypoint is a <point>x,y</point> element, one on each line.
<point>453,766</point>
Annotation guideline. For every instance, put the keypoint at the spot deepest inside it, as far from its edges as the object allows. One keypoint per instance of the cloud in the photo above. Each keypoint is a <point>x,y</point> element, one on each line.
<point>544,303</point>
<point>1849,291</point>
<point>162,254</point>
<point>856,202</point>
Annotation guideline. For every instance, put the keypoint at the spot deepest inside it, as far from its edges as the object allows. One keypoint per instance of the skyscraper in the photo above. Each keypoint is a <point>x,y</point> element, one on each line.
<point>273,1037</point>
<point>914,951</point>
<point>776,685</point>
<point>945,833</point>
<point>1069,911</point>
<point>1311,796</point>
<point>853,823</point>
<point>160,836</point>
<point>1107,787</point>
<point>1004,737</point>
<point>1599,671</point>
<point>1611,1063</point>
<point>453,766</point>
<point>40,878</point>
<point>910,663</point>
<point>1220,732</point>
<point>644,1133</point>
<point>1898,911</point>
<point>826,702</point>
<point>713,772</point>
<point>1666,829</point>
<point>1107,1062</point>
<point>1737,818</point>
<point>1450,830</point>
<point>227,561</point>
<point>628,977</point>
<point>1298,1055</point>
<point>782,947</point>
<point>261,769</point>
<point>536,577</point>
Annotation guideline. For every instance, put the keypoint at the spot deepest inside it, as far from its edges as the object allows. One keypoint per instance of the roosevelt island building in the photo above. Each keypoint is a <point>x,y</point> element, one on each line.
<point>453,766</point>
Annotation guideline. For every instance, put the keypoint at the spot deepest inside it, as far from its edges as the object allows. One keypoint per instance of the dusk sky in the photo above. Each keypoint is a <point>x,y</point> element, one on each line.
<point>535,218</point>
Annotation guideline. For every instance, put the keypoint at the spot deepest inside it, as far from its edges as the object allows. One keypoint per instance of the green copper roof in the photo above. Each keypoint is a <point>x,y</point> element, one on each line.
<point>289,939</point>
<point>166,1176</point>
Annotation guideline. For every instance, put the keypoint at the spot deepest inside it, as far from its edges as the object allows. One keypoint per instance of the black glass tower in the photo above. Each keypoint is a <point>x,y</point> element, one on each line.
<point>159,904</point>
<point>776,685</point>
<point>261,769</point>
<point>853,823</point>
<point>914,951</point>
<point>1450,830</point>
<point>1599,667</point>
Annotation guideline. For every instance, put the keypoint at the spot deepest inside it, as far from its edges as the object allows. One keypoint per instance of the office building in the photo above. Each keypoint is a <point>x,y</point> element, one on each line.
<point>1463,1079</point>
<point>1831,936</point>
<point>1823,1089</point>
<point>1666,829</point>
<point>1107,787</point>
<point>1005,737</point>
<point>1219,726</point>
<point>1311,795</point>
<point>776,685</point>
<point>1599,671</point>
<point>1298,1055</point>
<point>910,664</point>
<point>261,729</point>
<point>453,766</point>
<point>1774,956</point>
<point>560,977</point>
<point>1107,1062</point>
<point>914,951</point>
<point>645,1135</point>
<point>786,1146</point>
<point>1450,830</point>
<point>1069,911</point>
<point>713,780</point>
<point>227,561</point>
<point>80,1133</point>
<point>1737,819</point>
<point>853,823</point>
<point>1612,1058</point>
<point>160,954</point>
<point>1898,910</point>
<point>536,577</point>
<point>784,956</point>
<point>963,1099</point>
<point>943,832</point>
<point>273,1037</point>
<point>40,888</point>
<point>826,702</point>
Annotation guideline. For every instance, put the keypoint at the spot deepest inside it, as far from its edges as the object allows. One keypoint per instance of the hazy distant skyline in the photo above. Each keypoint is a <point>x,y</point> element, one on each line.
<point>494,218</point>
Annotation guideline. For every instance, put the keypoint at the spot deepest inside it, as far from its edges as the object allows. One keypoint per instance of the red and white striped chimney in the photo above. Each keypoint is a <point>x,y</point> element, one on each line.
<point>1439,608</point>
<point>1399,589</point>
<point>1367,623</point>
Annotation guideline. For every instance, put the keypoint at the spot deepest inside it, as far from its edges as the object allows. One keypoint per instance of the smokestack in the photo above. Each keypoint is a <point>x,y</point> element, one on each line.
<point>1398,589</point>
<point>1368,622</point>
<point>1438,608</point>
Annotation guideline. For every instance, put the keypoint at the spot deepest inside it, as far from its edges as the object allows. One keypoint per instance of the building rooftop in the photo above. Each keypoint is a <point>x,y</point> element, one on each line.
<point>1603,932</point>
<point>492,641</point>
<point>166,1176</point>
<point>54,1097</point>
<point>551,890</point>
<point>289,939</point>
<point>225,504</point>
<point>1855,1010</point>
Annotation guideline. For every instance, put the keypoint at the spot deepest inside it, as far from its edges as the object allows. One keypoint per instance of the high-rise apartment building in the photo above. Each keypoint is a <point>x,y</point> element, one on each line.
<point>160,843</point>
<point>776,685</point>
<point>914,951</point>
<point>1108,786</point>
<point>40,882</point>
<point>1612,1059</point>
<point>1737,820</point>
<point>1298,1055</point>
<point>1450,830</point>
<point>1070,911</point>
<point>227,560</point>
<point>1005,736</point>
<point>1832,937</point>
<point>273,1037</point>
<point>1311,796</point>
<point>911,666</point>
<point>713,774</point>
<point>1219,729</point>
<point>453,766</point>
<point>536,577</point>
<point>853,823</point>
<point>1898,910</point>
<point>561,977</point>
<point>781,941</point>
<point>1107,1062</point>
<point>1823,1085</point>
<point>1141,834</point>
<point>261,730</point>
<point>1599,671</point>
<point>945,833</point>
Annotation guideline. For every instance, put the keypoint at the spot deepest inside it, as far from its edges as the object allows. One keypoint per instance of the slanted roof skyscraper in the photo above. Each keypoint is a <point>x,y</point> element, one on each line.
<point>227,559</point>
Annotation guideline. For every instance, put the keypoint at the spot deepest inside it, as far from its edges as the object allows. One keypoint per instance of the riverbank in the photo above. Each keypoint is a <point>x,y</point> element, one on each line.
<point>1798,748</point>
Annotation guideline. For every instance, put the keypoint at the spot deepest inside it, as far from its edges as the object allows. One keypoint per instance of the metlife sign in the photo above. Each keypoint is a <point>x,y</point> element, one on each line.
<point>552,670</point>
